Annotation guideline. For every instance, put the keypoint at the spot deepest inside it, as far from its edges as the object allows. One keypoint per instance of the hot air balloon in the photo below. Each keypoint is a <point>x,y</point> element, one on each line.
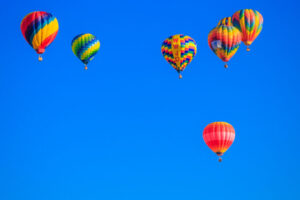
<point>85,47</point>
<point>219,136</point>
<point>225,21</point>
<point>224,41</point>
<point>179,50</point>
<point>39,30</point>
<point>250,23</point>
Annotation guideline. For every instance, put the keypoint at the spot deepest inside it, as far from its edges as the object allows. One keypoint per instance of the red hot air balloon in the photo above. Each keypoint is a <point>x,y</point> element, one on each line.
<point>219,136</point>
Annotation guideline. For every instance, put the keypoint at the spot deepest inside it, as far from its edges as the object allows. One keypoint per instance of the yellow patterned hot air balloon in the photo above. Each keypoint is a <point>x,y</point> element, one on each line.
<point>179,50</point>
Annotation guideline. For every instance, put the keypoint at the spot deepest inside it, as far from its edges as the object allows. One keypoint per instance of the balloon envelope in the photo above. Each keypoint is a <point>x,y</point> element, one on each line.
<point>249,22</point>
<point>224,41</point>
<point>225,21</point>
<point>179,50</point>
<point>85,47</point>
<point>39,30</point>
<point>219,136</point>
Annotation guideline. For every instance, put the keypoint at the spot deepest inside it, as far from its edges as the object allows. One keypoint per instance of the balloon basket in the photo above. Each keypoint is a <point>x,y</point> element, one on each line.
<point>40,58</point>
<point>85,67</point>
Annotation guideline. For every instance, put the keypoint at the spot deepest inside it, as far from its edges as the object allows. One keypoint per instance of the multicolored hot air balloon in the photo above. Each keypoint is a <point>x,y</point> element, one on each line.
<point>219,136</point>
<point>225,21</point>
<point>224,41</point>
<point>179,50</point>
<point>85,47</point>
<point>250,23</point>
<point>39,30</point>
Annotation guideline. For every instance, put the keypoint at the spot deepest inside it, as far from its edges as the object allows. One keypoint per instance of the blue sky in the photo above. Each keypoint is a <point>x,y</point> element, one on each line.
<point>128,128</point>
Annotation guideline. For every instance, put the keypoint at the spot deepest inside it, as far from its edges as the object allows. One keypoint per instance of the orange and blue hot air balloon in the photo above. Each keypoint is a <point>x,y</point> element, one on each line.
<point>85,47</point>
<point>250,23</point>
<point>179,50</point>
<point>39,30</point>
<point>224,41</point>
<point>219,136</point>
<point>225,21</point>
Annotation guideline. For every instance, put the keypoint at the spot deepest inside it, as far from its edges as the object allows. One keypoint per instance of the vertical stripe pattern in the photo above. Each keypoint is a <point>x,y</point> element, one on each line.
<point>225,21</point>
<point>224,41</point>
<point>249,22</point>
<point>219,136</point>
<point>39,30</point>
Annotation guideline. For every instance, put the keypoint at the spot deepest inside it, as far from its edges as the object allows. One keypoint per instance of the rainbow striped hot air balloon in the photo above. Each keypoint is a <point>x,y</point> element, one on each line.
<point>219,136</point>
<point>85,47</point>
<point>250,23</point>
<point>224,41</point>
<point>225,21</point>
<point>39,30</point>
<point>179,50</point>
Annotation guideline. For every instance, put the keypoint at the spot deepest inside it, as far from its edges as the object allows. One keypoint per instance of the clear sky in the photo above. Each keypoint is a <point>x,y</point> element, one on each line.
<point>128,128</point>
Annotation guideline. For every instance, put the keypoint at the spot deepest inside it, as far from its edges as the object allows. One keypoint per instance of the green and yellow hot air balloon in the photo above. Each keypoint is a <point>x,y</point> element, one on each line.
<point>85,47</point>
